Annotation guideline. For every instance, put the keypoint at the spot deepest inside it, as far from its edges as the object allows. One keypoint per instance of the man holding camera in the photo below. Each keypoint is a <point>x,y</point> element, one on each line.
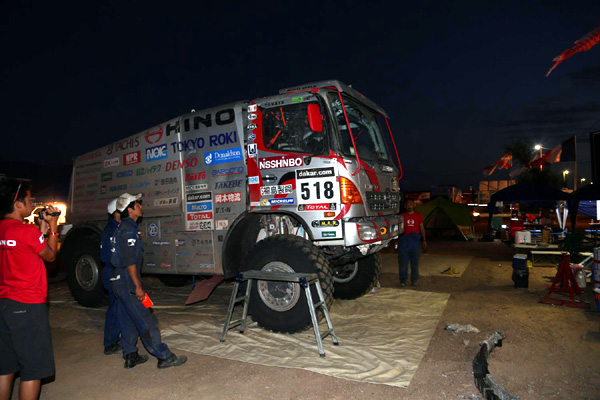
<point>112,330</point>
<point>25,343</point>
<point>134,317</point>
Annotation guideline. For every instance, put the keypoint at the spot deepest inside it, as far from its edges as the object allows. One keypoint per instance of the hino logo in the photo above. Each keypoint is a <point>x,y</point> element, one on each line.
<point>222,117</point>
<point>9,243</point>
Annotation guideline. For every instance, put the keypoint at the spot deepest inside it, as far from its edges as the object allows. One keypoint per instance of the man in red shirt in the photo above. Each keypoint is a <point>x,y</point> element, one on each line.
<point>25,344</point>
<point>409,244</point>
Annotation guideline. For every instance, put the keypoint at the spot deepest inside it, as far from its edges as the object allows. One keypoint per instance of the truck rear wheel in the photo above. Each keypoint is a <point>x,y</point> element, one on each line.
<point>84,274</point>
<point>355,279</point>
<point>282,306</point>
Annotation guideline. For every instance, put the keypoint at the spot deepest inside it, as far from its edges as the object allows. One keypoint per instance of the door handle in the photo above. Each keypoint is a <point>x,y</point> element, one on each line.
<point>269,178</point>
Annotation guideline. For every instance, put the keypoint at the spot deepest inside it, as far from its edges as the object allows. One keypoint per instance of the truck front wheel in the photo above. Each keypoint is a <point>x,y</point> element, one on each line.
<point>282,306</point>
<point>355,279</point>
<point>84,274</point>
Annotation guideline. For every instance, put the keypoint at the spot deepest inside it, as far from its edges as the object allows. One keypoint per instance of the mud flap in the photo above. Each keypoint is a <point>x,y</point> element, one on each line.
<point>203,290</point>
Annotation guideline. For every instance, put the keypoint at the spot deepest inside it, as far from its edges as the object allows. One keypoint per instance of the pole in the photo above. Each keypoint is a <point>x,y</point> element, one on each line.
<point>575,166</point>
<point>540,157</point>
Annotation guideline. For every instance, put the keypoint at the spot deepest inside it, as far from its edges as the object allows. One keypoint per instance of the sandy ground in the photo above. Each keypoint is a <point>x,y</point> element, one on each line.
<point>549,352</point>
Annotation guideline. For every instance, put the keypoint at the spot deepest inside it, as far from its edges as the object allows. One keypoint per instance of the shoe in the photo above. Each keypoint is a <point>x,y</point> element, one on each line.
<point>414,284</point>
<point>402,283</point>
<point>172,361</point>
<point>113,349</point>
<point>133,359</point>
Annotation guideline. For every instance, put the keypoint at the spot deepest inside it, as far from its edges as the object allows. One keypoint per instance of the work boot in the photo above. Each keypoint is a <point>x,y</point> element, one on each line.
<point>113,349</point>
<point>172,361</point>
<point>402,283</point>
<point>414,284</point>
<point>133,359</point>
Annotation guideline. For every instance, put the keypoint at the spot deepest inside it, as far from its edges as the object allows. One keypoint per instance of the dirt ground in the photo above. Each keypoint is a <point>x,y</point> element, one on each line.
<point>550,352</point>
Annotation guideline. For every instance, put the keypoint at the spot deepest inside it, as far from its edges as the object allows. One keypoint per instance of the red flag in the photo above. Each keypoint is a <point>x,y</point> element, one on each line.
<point>583,44</point>
<point>551,156</point>
<point>505,162</point>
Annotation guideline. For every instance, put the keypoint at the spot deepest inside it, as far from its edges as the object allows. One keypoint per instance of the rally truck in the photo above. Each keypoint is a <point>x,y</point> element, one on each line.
<point>303,181</point>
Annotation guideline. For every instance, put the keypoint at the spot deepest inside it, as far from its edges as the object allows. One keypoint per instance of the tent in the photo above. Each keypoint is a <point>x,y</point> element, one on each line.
<point>584,194</point>
<point>443,218</point>
<point>527,192</point>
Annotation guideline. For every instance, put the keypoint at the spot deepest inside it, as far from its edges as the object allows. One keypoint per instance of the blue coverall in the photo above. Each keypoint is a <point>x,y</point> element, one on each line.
<point>134,318</point>
<point>112,330</point>
<point>409,249</point>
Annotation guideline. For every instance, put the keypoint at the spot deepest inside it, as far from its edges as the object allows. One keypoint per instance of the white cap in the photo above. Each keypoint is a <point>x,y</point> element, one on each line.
<point>112,206</point>
<point>126,198</point>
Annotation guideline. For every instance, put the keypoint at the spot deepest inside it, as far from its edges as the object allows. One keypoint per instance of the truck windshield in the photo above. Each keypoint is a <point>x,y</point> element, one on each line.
<point>366,130</point>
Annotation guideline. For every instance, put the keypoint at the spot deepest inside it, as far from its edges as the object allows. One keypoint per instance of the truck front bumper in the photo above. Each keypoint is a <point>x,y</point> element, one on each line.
<point>373,231</point>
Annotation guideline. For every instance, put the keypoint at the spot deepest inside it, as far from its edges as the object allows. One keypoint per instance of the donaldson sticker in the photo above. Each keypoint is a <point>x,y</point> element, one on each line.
<point>222,156</point>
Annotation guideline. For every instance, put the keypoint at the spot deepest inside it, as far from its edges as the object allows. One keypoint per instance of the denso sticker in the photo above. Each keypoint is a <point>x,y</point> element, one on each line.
<point>199,186</point>
<point>171,201</point>
<point>317,207</point>
<point>280,162</point>
<point>325,223</point>
<point>132,158</point>
<point>222,156</point>
<point>113,162</point>
<point>228,197</point>
<point>284,201</point>
<point>156,153</point>
<point>187,163</point>
<point>277,189</point>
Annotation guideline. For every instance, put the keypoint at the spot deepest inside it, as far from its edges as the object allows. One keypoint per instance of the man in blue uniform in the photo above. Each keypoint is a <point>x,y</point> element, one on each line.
<point>134,318</point>
<point>111,321</point>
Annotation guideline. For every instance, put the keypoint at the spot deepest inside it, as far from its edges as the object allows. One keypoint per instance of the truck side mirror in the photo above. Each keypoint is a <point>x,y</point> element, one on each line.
<point>315,118</point>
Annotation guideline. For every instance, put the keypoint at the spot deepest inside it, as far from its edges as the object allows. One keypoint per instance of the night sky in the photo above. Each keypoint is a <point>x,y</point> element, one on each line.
<point>460,80</point>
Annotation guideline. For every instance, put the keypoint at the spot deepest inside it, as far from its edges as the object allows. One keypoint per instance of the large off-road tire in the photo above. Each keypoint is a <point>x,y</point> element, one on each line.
<point>84,273</point>
<point>282,306</point>
<point>355,279</point>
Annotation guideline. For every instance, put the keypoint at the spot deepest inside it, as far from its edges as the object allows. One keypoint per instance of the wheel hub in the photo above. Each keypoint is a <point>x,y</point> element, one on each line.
<point>278,296</point>
<point>86,272</point>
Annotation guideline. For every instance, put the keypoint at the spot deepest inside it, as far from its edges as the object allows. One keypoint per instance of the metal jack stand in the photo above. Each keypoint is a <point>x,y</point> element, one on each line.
<point>304,280</point>
<point>564,284</point>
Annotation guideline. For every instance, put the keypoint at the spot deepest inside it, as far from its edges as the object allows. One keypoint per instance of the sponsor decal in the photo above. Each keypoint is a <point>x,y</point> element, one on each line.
<point>265,202</point>
<point>199,186</point>
<point>228,184</point>
<point>316,185</point>
<point>254,203</point>
<point>117,188</point>
<point>153,229</point>
<point>148,170</point>
<point>317,207</point>
<point>179,242</point>
<point>113,162</point>
<point>207,196</point>
<point>89,156</point>
<point>132,158</point>
<point>252,136</point>
<point>187,163</point>
<point>154,135</point>
<point>325,223</point>
<point>297,100</point>
<point>273,104</point>
<point>222,210</point>
<point>195,176</point>
<point>124,174</point>
<point>139,185</point>
<point>280,162</point>
<point>106,176</point>
<point>165,265</point>
<point>221,224</point>
<point>131,242</point>
<point>253,180</point>
<point>123,145</point>
<point>227,171</point>
<point>328,234</point>
<point>284,201</point>
<point>162,243</point>
<point>223,139</point>
<point>151,264</point>
<point>222,156</point>
<point>314,173</point>
<point>156,153</point>
<point>103,189</point>
<point>198,207</point>
<point>252,108</point>
<point>277,189</point>
<point>170,201</point>
<point>252,150</point>
<point>188,145</point>
<point>200,216</point>
<point>228,197</point>
<point>165,181</point>
<point>252,116</point>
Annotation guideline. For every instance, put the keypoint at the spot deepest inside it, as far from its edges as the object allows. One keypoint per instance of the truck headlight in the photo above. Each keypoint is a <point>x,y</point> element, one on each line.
<point>368,233</point>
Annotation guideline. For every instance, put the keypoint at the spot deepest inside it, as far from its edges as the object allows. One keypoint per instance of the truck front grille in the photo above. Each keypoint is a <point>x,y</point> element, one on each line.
<point>383,201</point>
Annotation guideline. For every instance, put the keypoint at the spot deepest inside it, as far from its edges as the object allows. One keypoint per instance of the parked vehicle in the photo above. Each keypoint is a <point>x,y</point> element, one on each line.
<point>302,181</point>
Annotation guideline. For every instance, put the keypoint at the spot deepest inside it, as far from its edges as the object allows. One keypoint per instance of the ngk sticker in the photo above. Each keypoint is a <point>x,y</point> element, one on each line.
<point>316,185</point>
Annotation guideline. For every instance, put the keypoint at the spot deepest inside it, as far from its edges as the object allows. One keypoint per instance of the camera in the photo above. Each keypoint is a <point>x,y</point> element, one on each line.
<point>51,214</point>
